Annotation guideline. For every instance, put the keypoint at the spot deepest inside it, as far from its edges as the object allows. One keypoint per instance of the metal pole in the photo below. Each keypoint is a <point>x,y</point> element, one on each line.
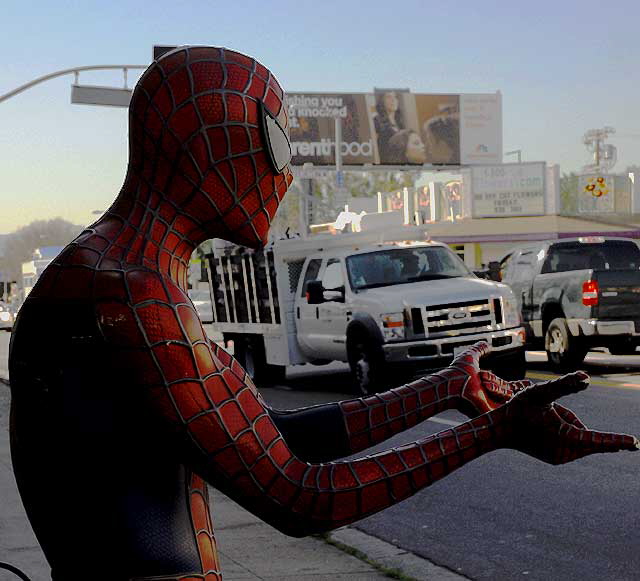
<point>338,143</point>
<point>405,204</point>
<point>61,73</point>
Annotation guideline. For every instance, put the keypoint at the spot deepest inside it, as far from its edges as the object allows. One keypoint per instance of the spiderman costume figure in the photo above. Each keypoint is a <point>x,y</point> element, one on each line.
<point>120,422</point>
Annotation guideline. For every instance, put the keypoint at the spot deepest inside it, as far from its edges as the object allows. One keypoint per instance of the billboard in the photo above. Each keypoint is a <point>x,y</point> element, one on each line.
<point>596,194</point>
<point>396,127</point>
<point>510,189</point>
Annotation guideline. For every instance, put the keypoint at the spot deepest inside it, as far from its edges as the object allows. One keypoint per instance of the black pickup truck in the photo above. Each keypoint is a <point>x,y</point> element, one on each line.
<point>577,293</point>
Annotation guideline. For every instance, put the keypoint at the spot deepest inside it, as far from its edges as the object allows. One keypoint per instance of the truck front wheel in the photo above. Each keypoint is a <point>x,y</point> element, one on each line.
<point>512,367</point>
<point>368,367</point>
<point>623,348</point>
<point>250,353</point>
<point>564,352</point>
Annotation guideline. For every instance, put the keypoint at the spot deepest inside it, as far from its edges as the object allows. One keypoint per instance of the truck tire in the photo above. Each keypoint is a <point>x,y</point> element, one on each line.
<point>623,348</point>
<point>512,367</point>
<point>368,367</point>
<point>249,352</point>
<point>564,352</point>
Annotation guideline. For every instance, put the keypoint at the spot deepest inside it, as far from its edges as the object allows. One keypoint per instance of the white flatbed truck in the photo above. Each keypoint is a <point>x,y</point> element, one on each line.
<point>383,301</point>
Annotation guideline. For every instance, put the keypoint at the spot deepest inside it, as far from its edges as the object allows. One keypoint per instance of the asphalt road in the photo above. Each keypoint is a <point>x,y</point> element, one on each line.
<point>505,515</point>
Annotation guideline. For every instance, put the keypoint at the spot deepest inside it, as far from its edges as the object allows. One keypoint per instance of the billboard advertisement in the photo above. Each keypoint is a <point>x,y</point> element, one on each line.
<point>516,189</point>
<point>480,128</point>
<point>396,127</point>
<point>312,128</point>
<point>596,194</point>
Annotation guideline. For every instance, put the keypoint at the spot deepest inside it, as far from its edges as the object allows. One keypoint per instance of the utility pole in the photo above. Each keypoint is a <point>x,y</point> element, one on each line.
<point>604,154</point>
<point>517,152</point>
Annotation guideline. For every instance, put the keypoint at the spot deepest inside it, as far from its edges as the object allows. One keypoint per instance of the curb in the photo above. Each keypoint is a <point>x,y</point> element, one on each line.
<point>392,560</point>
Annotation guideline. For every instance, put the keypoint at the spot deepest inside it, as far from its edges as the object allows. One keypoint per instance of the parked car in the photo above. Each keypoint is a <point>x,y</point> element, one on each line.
<point>385,302</point>
<point>575,294</point>
<point>201,300</point>
<point>6,317</point>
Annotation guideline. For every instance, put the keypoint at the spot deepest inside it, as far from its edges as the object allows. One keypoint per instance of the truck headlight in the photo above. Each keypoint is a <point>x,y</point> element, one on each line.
<point>393,326</point>
<point>511,312</point>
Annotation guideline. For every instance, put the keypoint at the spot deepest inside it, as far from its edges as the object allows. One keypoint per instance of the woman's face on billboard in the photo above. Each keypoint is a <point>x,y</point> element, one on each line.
<point>415,149</point>
<point>390,102</point>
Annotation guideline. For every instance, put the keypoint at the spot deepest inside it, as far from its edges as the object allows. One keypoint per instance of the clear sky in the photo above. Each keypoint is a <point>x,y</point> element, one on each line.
<point>563,67</point>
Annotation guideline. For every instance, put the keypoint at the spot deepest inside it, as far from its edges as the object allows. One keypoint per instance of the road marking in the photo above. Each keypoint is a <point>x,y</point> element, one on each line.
<point>595,380</point>
<point>445,422</point>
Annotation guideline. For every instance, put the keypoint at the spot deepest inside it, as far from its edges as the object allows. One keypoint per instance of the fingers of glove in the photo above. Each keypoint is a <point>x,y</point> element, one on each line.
<point>547,392</point>
<point>602,441</point>
<point>473,355</point>
<point>495,385</point>
<point>513,386</point>
<point>568,416</point>
<point>517,386</point>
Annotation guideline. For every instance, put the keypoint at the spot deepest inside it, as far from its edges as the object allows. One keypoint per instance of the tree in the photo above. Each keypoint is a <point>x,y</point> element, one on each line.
<point>359,184</point>
<point>569,193</point>
<point>21,244</point>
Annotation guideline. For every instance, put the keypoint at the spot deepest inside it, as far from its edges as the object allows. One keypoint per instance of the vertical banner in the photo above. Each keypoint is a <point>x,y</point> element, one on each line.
<point>452,198</point>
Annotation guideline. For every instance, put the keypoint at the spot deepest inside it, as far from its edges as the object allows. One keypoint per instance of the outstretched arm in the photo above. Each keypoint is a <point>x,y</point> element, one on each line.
<point>350,426</point>
<point>550,432</point>
<point>230,440</point>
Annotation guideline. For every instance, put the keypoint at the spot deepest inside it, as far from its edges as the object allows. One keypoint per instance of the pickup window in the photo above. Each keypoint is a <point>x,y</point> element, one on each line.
<point>608,255</point>
<point>313,268</point>
<point>332,277</point>
<point>403,265</point>
<point>524,266</point>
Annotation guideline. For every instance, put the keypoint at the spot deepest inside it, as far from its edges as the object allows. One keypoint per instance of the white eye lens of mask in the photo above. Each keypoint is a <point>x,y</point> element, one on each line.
<point>276,140</point>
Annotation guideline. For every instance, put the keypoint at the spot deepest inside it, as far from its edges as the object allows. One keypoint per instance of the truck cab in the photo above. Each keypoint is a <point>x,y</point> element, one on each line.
<point>397,307</point>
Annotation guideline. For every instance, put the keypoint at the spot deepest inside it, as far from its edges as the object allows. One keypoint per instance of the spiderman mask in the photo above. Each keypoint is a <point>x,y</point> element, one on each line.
<point>209,136</point>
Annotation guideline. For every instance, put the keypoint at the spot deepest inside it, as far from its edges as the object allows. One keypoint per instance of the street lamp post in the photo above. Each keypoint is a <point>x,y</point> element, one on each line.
<point>112,96</point>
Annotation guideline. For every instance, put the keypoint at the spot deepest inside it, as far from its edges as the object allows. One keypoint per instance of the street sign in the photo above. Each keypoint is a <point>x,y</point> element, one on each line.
<point>108,96</point>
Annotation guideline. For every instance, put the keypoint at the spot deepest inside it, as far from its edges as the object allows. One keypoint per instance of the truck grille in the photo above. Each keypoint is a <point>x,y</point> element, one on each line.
<point>452,319</point>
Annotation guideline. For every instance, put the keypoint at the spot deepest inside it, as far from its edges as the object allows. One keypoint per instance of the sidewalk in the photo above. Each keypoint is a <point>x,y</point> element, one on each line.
<point>249,549</point>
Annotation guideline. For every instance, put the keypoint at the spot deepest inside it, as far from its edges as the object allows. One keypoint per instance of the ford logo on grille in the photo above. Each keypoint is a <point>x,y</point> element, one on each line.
<point>458,315</point>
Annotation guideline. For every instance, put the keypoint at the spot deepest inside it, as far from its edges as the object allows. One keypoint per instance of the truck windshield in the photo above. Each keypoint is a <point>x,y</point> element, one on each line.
<point>403,265</point>
<point>608,255</point>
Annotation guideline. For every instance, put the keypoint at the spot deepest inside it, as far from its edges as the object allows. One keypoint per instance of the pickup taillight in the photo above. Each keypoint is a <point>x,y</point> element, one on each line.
<point>590,293</point>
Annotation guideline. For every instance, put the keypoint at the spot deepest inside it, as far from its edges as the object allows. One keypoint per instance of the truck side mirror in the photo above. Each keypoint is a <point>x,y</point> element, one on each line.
<point>334,294</point>
<point>315,292</point>
<point>495,272</point>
